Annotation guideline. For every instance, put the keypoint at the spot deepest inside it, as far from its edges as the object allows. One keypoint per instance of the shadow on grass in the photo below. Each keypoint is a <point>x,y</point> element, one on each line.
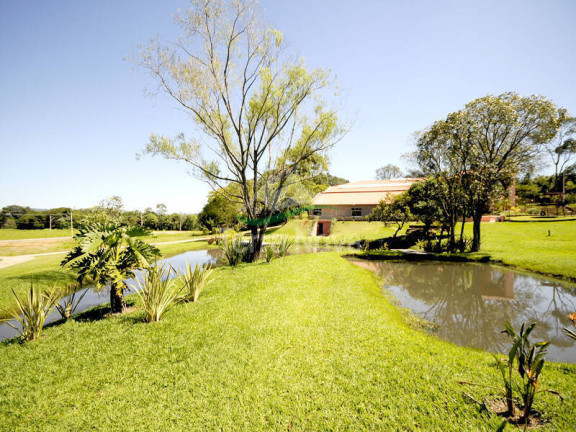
<point>100,312</point>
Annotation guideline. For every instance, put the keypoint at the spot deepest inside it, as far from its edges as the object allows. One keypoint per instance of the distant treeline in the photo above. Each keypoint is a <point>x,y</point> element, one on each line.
<point>18,217</point>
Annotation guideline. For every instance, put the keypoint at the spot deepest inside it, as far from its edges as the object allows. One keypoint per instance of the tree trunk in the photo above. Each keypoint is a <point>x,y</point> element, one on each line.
<point>477,219</point>
<point>256,240</point>
<point>116,304</point>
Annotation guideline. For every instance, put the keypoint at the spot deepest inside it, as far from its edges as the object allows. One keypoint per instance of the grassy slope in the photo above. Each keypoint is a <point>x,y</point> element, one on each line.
<point>527,245</point>
<point>45,272</point>
<point>343,232</point>
<point>305,343</point>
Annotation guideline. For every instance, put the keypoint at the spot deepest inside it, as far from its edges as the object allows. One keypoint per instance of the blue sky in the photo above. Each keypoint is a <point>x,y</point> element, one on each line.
<point>74,112</point>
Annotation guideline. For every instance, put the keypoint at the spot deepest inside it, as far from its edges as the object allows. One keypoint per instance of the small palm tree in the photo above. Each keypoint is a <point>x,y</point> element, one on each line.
<point>109,254</point>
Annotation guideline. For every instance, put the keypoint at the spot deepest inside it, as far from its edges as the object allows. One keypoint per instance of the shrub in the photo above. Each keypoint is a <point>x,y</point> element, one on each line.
<point>270,252</point>
<point>195,280</point>
<point>32,312</point>
<point>67,306</point>
<point>283,247</point>
<point>530,361</point>
<point>234,250</point>
<point>157,291</point>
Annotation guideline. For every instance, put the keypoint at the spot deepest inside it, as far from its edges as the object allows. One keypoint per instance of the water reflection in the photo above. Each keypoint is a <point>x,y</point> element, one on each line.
<point>471,302</point>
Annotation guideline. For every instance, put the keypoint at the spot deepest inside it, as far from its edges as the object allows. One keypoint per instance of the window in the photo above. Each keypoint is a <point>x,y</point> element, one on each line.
<point>356,211</point>
<point>317,212</point>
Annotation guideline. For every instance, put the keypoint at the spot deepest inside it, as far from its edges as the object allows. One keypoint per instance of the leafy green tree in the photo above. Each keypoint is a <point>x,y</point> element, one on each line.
<point>488,143</point>
<point>261,117</point>
<point>109,254</point>
<point>562,148</point>
<point>219,210</point>
<point>388,171</point>
<point>393,210</point>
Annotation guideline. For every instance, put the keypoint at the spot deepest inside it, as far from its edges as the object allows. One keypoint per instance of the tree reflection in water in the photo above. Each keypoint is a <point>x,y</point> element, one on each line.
<point>471,302</point>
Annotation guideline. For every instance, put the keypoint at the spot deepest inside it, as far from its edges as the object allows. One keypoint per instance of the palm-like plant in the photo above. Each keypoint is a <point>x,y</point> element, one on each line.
<point>109,254</point>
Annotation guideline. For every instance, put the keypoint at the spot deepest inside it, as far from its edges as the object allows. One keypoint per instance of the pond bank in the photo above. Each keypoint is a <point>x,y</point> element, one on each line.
<point>306,342</point>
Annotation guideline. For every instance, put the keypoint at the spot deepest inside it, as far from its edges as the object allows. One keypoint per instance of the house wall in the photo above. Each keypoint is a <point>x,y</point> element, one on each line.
<point>340,212</point>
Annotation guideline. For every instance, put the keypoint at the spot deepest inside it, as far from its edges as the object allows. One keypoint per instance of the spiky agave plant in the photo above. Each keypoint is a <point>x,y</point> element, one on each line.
<point>283,246</point>
<point>270,252</point>
<point>157,291</point>
<point>234,250</point>
<point>67,306</point>
<point>32,311</point>
<point>195,280</point>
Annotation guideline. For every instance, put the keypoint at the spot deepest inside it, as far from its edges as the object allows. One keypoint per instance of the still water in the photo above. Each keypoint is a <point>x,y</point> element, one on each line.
<point>91,297</point>
<point>470,303</point>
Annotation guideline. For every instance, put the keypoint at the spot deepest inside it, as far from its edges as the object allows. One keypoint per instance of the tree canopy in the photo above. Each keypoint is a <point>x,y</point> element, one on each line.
<point>262,118</point>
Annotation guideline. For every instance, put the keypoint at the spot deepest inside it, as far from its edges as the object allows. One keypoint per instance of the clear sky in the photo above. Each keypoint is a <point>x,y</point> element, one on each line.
<point>73,112</point>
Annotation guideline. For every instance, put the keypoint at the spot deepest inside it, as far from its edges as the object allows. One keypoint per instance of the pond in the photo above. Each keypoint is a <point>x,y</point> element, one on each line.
<point>470,302</point>
<point>91,297</point>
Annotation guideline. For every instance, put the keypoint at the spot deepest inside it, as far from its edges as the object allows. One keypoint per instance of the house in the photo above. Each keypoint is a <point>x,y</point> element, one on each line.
<point>355,200</point>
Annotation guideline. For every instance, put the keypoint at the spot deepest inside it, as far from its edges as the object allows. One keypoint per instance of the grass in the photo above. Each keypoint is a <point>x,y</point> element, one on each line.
<point>16,234</point>
<point>304,343</point>
<point>46,245</point>
<point>528,246</point>
<point>345,232</point>
<point>45,272</point>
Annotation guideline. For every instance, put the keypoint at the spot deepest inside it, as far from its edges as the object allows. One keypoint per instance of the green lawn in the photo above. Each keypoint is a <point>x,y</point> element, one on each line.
<point>45,272</point>
<point>307,342</point>
<point>46,245</point>
<point>345,232</point>
<point>16,234</point>
<point>528,245</point>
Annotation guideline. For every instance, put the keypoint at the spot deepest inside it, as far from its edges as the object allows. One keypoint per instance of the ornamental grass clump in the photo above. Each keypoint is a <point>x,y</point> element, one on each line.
<point>157,291</point>
<point>283,247</point>
<point>68,305</point>
<point>235,250</point>
<point>32,311</point>
<point>269,253</point>
<point>195,280</point>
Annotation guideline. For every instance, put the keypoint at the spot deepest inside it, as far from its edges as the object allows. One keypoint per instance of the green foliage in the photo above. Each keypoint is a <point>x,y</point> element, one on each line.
<point>269,252</point>
<point>530,361</point>
<point>283,246</point>
<point>157,292</point>
<point>32,312</point>
<point>265,119</point>
<point>235,250</point>
<point>310,325</point>
<point>393,210</point>
<point>388,171</point>
<point>108,253</point>
<point>195,280</point>
<point>219,211</point>
<point>479,149</point>
<point>67,306</point>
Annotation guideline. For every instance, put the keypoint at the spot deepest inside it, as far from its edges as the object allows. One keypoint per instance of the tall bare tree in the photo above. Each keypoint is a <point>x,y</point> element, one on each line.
<point>261,116</point>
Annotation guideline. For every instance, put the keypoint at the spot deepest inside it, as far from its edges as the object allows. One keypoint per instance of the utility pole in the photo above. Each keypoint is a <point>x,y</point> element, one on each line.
<point>50,216</point>
<point>141,222</point>
<point>71,225</point>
